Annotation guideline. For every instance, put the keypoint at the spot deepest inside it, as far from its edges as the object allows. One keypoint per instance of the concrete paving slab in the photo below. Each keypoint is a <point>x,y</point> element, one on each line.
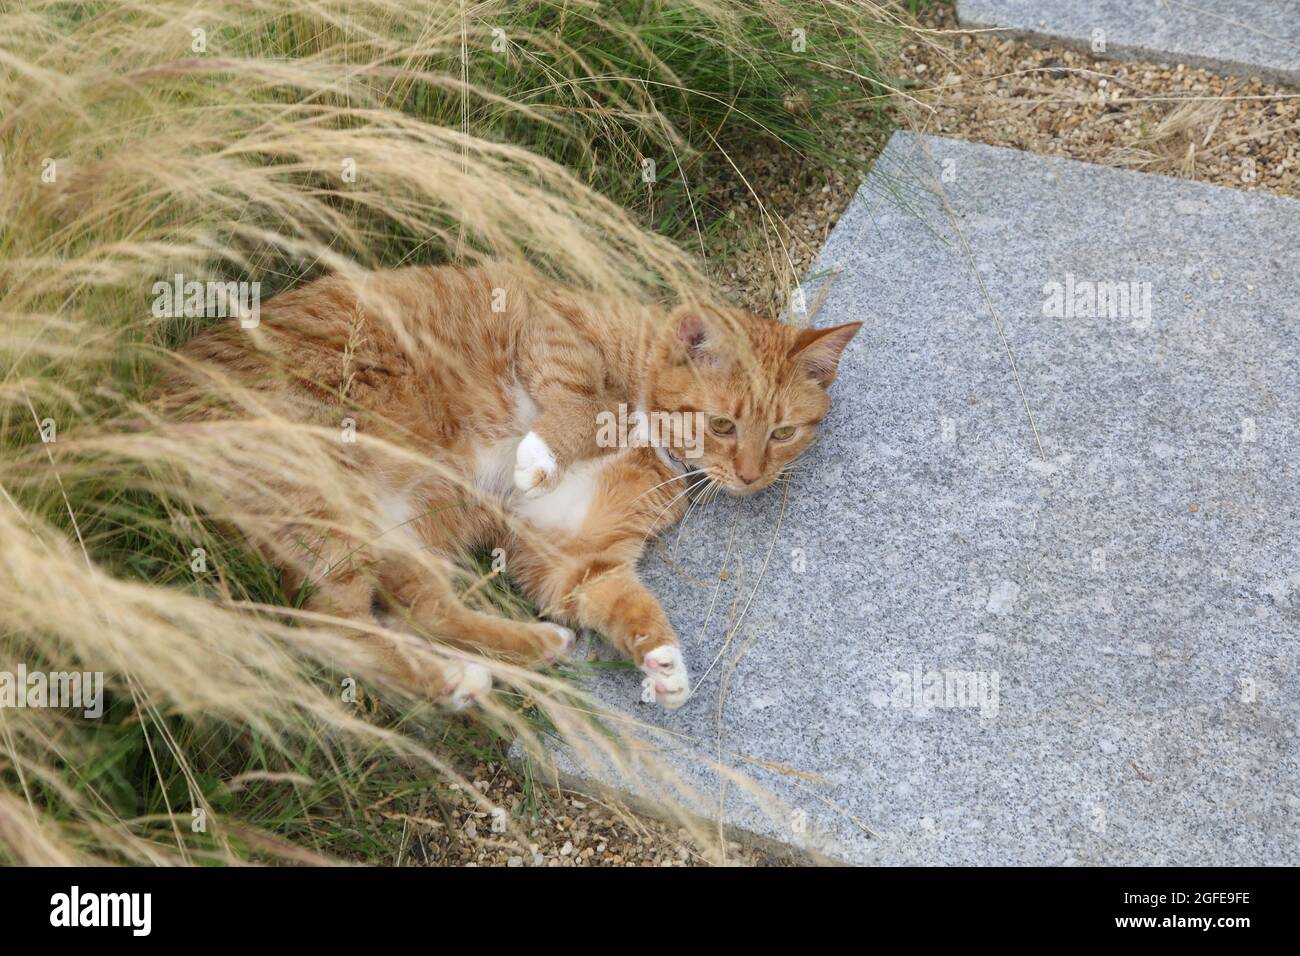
<point>1239,37</point>
<point>963,636</point>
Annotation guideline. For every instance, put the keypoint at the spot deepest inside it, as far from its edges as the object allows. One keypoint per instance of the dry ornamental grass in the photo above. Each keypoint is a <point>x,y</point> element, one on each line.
<point>270,141</point>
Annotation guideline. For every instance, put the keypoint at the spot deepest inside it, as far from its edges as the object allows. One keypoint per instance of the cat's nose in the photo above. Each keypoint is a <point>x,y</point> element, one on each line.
<point>748,468</point>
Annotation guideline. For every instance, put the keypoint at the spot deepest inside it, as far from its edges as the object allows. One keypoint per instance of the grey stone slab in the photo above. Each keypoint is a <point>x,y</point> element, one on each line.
<point>1241,37</point>
<point>1133,589</point>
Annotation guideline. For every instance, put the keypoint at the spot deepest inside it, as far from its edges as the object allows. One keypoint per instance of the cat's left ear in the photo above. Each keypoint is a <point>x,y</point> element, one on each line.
<point>818,351</point>
<point>696,339</point>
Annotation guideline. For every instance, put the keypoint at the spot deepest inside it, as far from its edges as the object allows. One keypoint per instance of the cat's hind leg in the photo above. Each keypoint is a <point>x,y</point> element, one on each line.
<point>428,600</point>
<point>343,588</point>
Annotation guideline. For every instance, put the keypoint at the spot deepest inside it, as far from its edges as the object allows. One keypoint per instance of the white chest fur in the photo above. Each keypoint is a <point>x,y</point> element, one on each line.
<point>566,506</point>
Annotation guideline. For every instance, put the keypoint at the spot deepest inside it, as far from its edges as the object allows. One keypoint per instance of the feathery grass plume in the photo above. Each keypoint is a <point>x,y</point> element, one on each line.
<point>270,141</point>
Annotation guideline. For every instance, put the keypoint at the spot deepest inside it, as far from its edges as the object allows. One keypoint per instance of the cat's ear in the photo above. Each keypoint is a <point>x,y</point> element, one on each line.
<point>695,338</point>
<point>818,351</point>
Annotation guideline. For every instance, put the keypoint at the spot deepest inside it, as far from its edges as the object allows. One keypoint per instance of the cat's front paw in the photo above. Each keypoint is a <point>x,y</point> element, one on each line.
<point>666,681</point>
<point>535,466</point>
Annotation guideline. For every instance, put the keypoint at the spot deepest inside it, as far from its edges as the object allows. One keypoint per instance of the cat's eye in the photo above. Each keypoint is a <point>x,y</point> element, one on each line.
<point>722,426</point>
<point>784,433</point>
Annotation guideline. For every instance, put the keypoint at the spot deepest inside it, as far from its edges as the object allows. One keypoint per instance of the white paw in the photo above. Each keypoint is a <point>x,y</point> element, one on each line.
<point>566,641</point>
<point>666,682</point>
<point>466,684</point>
<point>534,465</point>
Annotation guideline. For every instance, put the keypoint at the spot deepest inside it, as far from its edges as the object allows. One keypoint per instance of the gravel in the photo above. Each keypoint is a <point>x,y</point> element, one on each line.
<point>1160,117</point>
<point>563,829</point>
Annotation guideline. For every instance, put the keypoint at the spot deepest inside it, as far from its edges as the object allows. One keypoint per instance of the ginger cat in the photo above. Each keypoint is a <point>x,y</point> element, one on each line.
<point>515,387</point>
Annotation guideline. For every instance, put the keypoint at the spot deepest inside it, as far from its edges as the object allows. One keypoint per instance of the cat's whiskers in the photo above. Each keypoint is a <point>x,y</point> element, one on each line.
<point>671,501</point>
<point>710,483</point>
<point>685,474</point>
<point>685,518</point>
<point>791,469</point>
<point>715,493</point>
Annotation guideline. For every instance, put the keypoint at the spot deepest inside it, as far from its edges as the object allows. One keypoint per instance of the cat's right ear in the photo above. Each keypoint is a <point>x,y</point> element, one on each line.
<point>695,339</point>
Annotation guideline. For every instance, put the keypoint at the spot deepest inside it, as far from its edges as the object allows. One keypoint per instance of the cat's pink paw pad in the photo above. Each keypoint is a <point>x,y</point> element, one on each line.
<point>666,681</point>
<point>465,684</point>
<point>564,639</point>
<point>535,466</point>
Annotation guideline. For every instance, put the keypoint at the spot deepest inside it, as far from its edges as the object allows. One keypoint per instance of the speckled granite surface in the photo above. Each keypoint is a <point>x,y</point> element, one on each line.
<point>1241,37</point>
<point>1117,619</point>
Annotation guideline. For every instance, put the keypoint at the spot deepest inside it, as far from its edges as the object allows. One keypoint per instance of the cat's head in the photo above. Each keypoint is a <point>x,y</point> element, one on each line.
<point>756,391</point>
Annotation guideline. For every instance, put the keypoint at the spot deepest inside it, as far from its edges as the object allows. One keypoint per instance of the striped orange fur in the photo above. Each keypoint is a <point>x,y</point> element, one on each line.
<point>459,366</point>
